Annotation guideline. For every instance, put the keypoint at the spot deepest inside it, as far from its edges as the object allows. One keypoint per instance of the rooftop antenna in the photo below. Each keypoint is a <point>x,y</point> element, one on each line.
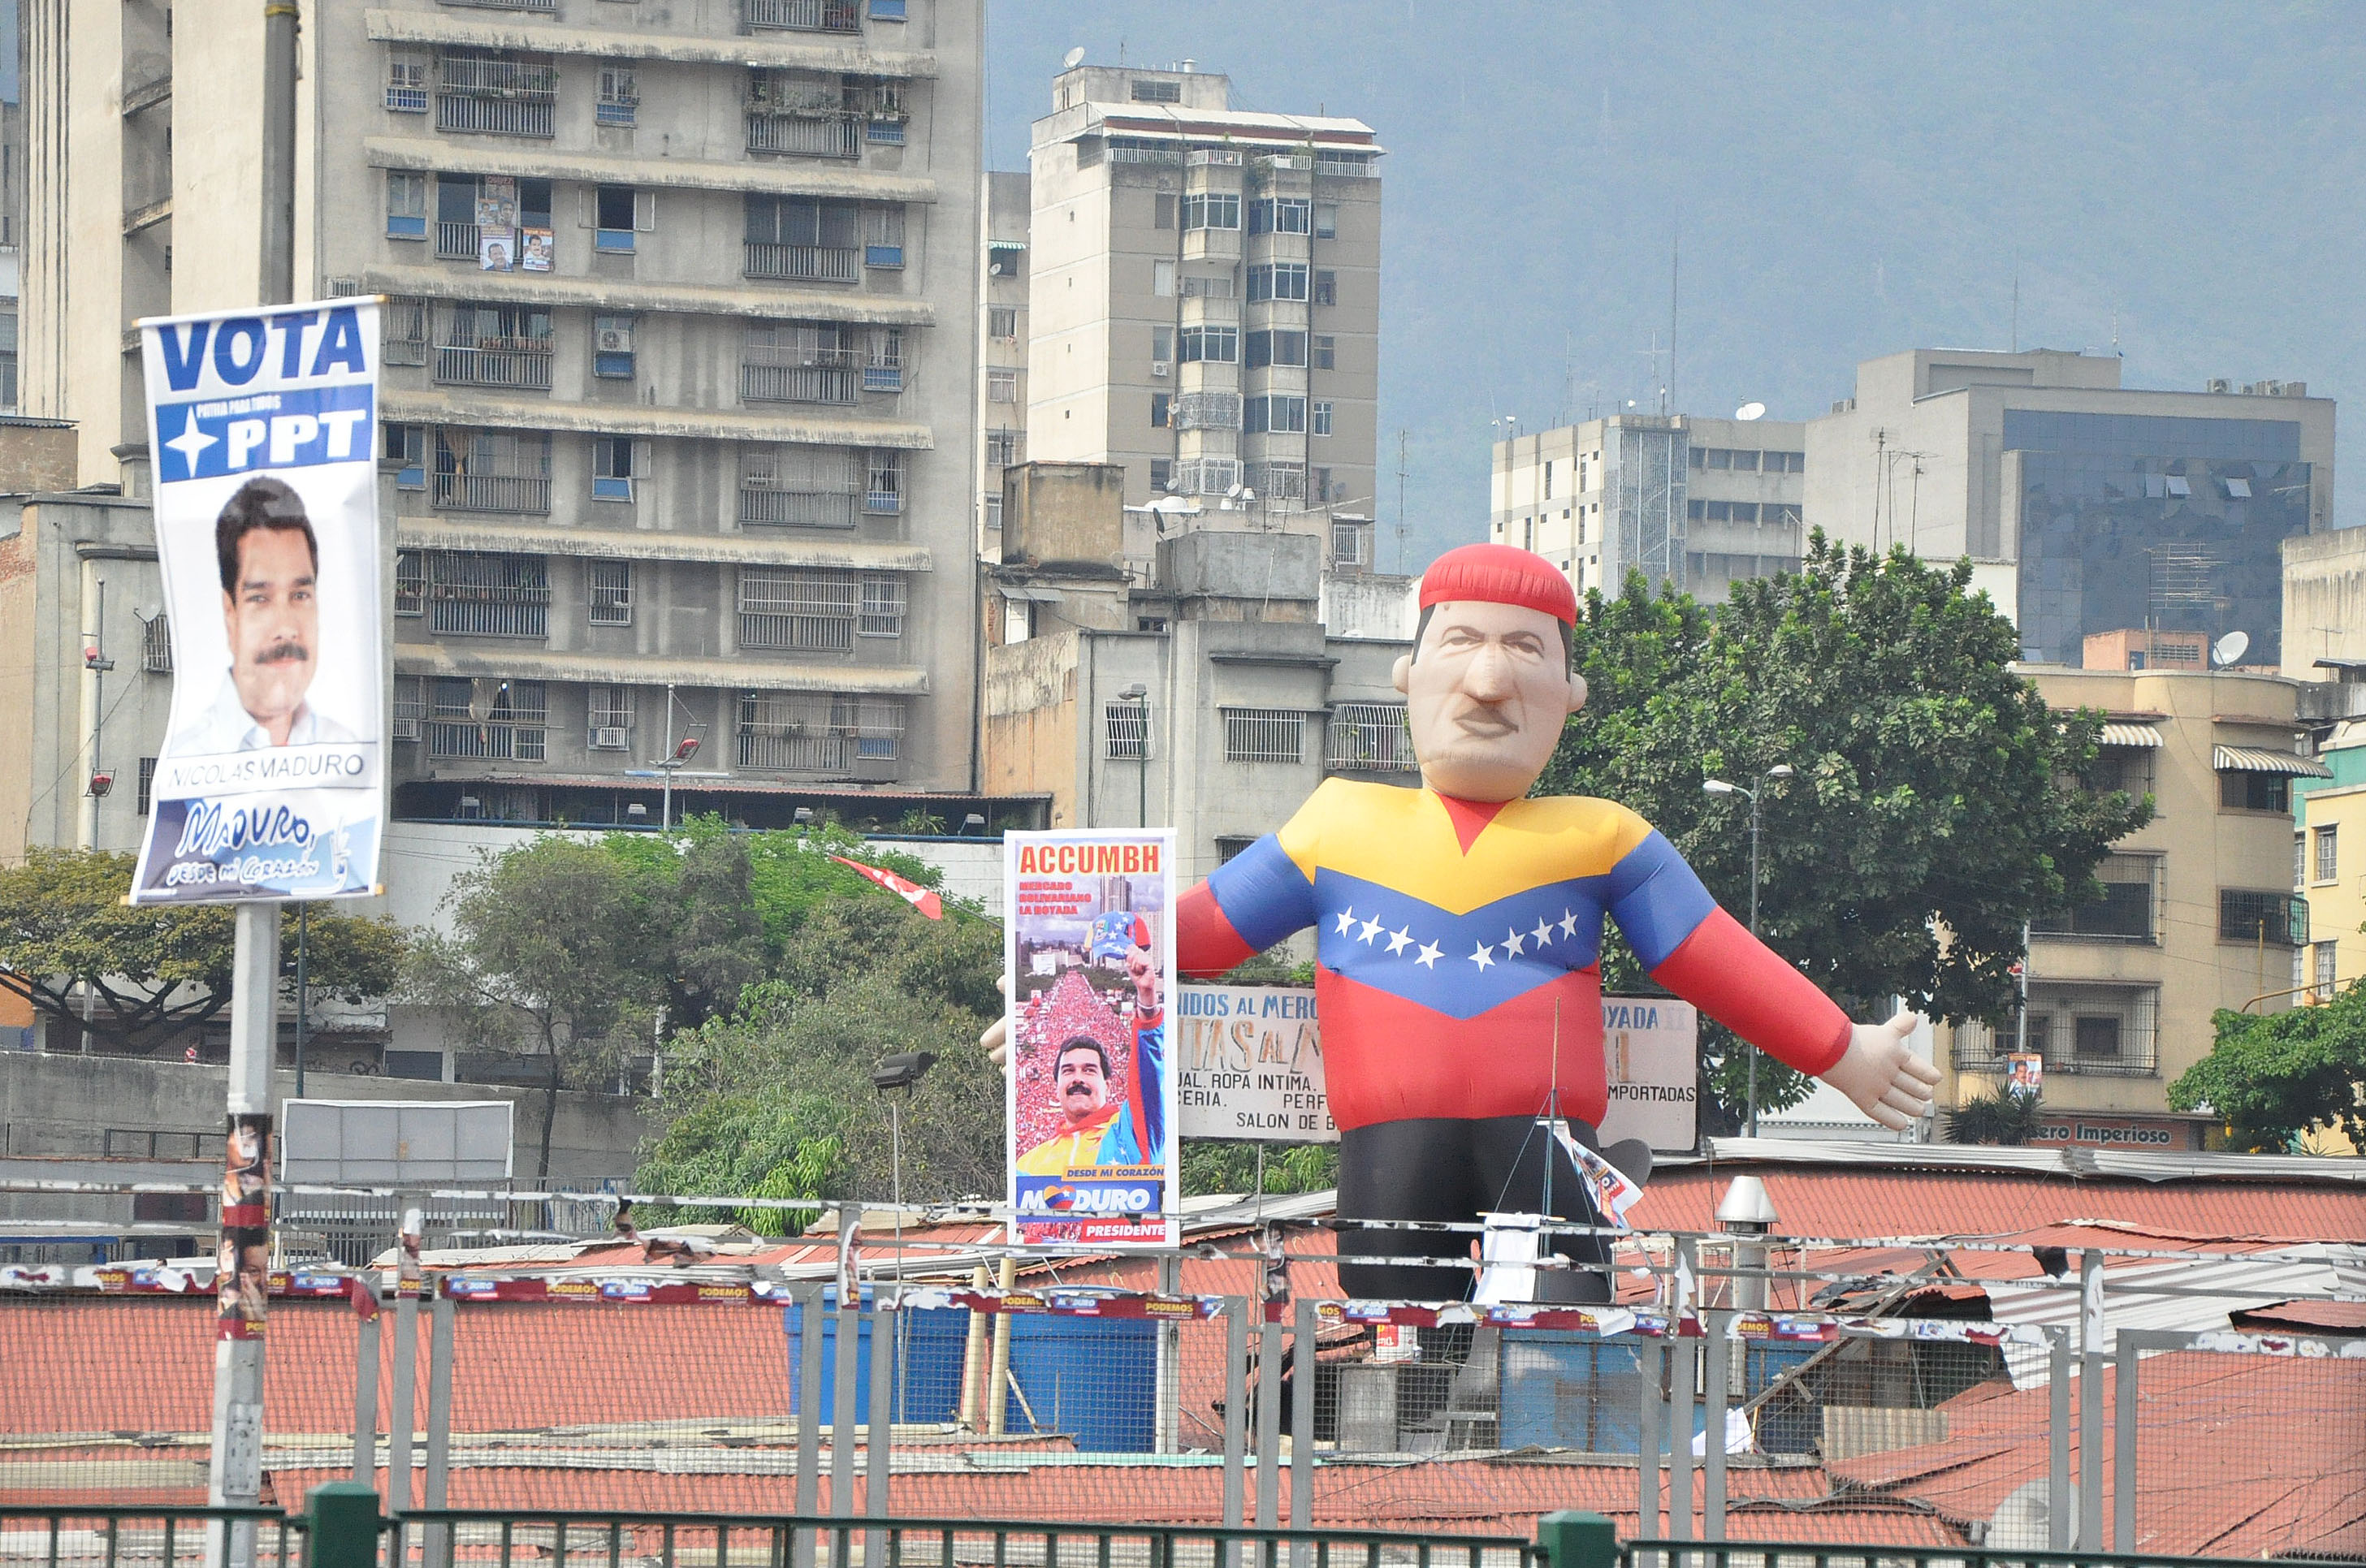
<point>1402,437</point>
<point>1675,252</point>
<point>1073,59</point>
<point>2016,305</point>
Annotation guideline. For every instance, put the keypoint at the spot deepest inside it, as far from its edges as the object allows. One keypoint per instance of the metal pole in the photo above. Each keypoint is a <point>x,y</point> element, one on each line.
<point>1753,931</point>
<point>809,1320</point>
<point>2057,1440</point>
<point>2020,1028</point>
<point>2092,1477</point>
<point>1649,1361</point>
<point>2124,1447</point>
<point>402,1402</point>
<point>303,994</point>
<point>666,767</point>
<point>1236,1399</point>
<point>997,1385</point>
<point>235,1471</point>
<point>1268,1430</point>
<point>96,662</point>
<point>845,1411</point>
<point>366,1355</point>
<point>1166,1420</point>
<point>278,280</point>
<point>1719,1362</point>
<point>1680,1399</point>
<point>1302,1427</point>
<point>1142,770</point>
<point>877,1440</point>
<point>435,1540</point>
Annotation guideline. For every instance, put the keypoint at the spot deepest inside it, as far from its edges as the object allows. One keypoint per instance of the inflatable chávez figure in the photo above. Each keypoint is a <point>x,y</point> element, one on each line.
<point>1459,928</point>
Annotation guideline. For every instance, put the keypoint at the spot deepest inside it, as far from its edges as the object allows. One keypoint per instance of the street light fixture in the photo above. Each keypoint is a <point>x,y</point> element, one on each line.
<point>1139,695</point>
<point>1720,786</point>
<point>895,1076</point>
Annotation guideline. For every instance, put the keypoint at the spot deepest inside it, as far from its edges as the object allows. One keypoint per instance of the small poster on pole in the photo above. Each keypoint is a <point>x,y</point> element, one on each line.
<point>271,782</point>
<point>1092,1104</point>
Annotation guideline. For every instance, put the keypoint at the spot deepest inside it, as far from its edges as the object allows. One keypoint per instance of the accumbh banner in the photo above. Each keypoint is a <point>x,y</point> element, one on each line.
<point>1091,954</point>
<point>263,428</point>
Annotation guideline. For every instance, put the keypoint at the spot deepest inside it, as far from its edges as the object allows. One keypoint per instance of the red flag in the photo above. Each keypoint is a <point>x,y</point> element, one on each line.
<point>362,1291</point>
<point>919,897</point>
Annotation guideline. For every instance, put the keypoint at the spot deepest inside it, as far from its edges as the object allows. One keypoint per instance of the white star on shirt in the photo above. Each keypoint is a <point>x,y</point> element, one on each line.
<point>1543,933</point>
<point>1428,955</point>
<point>1371,929</point>
<point>1514,944</point>
<point>1484,955</point>
<point>1397,940</point>
<point>192,441</point>
<point>1346,919</point>
<point>1568,922</point>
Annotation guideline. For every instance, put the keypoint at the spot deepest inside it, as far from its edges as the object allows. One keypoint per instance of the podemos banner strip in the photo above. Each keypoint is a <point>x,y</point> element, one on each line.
<point>264,429</point>
<point>1091,1109</point>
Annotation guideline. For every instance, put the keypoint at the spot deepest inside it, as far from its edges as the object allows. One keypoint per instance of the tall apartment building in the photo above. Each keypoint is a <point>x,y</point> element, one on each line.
<point>2085,506</point>
<point>680,363</point>
<point>1002,351</point>
<point>1706,503</point>
<point>1203,301</point>
<point>2199,910</point>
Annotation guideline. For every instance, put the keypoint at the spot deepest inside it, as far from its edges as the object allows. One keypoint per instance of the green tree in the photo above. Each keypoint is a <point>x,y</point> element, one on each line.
<point>1230,1165</point>
<point>1935,803</point>
<point>155,971</point>
<point>549,950</point>
<point>2275,1077</point>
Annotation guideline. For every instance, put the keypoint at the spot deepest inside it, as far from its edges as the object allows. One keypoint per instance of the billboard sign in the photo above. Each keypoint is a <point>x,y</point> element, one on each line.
<point>262,426</point>
<point>1248,1064</point>
<point>1091,1113</point>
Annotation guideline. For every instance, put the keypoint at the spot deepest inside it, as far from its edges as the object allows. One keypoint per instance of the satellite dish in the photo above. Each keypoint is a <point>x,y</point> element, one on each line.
<point>2022,1522</point>
<point>1073,59</point>
<point>1750,412</point>
<point>2229,648</point>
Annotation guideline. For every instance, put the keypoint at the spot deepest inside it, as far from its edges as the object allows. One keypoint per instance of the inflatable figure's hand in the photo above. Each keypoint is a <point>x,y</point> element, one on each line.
<point>1888,1082</point>
<point>995,1040</point>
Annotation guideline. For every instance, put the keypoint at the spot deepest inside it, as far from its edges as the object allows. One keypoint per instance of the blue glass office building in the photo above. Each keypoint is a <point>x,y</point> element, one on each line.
<point>2135,521</point>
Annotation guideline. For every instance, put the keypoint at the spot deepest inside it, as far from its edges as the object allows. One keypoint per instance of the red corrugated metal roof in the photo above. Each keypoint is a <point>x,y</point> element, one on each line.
<point>1853,1201</point>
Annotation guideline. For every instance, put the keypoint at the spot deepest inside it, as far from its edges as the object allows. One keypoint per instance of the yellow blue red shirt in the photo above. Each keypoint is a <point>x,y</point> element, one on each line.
<point>1459,959</point>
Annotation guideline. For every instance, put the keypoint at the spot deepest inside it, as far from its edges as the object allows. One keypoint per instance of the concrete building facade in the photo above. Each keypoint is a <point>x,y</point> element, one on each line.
<point>1002,351</point>
<point>2325,605</point>
<point>1706,503</point>
<point>681,364</point>
<point>2197,910</point>
<point>1203,300</point>
<point>2084,505</point>
<point>2329,862</point>
<point>1211,698</point>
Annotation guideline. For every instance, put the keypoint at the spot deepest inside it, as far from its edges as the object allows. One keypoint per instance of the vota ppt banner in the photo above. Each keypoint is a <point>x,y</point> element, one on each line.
<point>1090,949</point>
<point>263,427</point>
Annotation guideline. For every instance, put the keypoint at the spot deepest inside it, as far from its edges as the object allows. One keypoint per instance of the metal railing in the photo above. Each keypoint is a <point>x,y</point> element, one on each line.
<point>494,117</point>
<point>805,16</point>
<point>1776,1553</point>
<point>460,364</point>
<point>152,1537</point>
<point>493,492</point>
<point>803,263</point>
<point>761,383</point>
<point>791,749</point>
<point>813,136</point>
<point>457,241</point>
<point>796,509</point>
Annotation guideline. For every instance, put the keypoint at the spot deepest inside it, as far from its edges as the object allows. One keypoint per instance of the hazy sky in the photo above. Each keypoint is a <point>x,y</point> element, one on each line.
<point>2185,180</point>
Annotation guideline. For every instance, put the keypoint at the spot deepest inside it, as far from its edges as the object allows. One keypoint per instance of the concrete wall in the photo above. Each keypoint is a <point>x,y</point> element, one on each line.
<point>64,1104</point>
<point>2325,600</point>
<point>1065,513</point>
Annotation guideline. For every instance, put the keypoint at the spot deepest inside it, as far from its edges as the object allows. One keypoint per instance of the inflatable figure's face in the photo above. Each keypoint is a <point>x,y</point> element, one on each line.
<point>1487,690</point>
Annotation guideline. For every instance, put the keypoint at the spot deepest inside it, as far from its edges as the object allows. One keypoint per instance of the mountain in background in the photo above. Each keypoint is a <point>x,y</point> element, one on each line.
<point>2173,182</point>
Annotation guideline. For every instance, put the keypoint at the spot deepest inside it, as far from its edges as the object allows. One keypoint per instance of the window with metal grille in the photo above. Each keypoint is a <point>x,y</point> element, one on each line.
<point>807,486</point>
<point>409,707</point>
<point>1370,738</point>
<point>1263,735</point>
<point>513,726</point>
<point>2328,853</point>
<point>406,343</point>
<point>1349,544</point>
<point>802,239</point>
<point>156,645</point>
<point>610,585</point>
<point>882,605</point>
<point>410,583</point>
<point>883,367</point>
<point>2126,909</point>
<point>1145,90</point>
<point>488,596</point>
<point>495,471</point>
<point>807,611</point>
<point>147,786</point>
<point>1126,726</point>
<point>2326,977</point>
<point>406,82</point>
<point>2250,917</point>
<point>608,718</point>
<point>875,724</point>
<point>884,485</point>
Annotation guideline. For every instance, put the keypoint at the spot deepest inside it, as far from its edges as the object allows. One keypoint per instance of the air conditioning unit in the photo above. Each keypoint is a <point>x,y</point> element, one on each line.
<point>615,340</point>
<point>610,737</point>
<point>1160,367</point>
<point>406,729</point>
<point>2218,384</point>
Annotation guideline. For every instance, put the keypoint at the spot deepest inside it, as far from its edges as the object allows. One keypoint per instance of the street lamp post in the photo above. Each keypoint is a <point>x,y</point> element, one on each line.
<point>1720,786</point>
<point>1139,695</point>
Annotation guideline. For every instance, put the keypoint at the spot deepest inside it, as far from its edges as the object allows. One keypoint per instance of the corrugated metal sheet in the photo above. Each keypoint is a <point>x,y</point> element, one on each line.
<point>2252,759</point>
<point>2131,735</point>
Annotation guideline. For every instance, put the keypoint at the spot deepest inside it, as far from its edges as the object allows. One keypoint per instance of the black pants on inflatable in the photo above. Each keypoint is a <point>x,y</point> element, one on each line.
<point>1452,1169</point>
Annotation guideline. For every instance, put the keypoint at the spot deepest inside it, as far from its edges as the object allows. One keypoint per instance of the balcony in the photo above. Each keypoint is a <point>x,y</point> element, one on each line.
<point>803,263</point>
<point>493,492</point>
<point>496,96</point>
<point>787,749</point>
<point>521,366</point>
<point>495,117</point>
<point>831,135</point>
<point>796,509</point>
<point>804,15</point>
<point>492,743</point>
<point>455,241</point>
<point>817,376</point>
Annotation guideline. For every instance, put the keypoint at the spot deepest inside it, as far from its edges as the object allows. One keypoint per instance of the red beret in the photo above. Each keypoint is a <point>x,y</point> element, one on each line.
<point>1499,574</point>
